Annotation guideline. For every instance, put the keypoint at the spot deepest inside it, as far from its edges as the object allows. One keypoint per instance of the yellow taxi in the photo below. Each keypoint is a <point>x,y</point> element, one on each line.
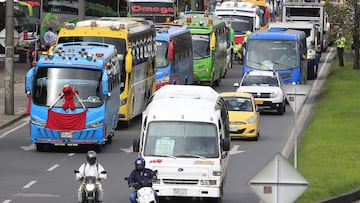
<point>243,115</point>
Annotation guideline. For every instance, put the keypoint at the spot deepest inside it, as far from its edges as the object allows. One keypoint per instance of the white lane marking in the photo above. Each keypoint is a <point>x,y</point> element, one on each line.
<point>7,201</point>
<point>30,184</point>
<point>12,130</point>
<point>234,150</point>
<point>127,150</point>
<point>71,154</point>
<point>28,148</point>
<point>35,195</point>
<point>53,167</point>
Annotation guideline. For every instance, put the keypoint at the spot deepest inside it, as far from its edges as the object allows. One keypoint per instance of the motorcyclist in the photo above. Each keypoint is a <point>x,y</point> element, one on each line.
<point>91,168</point>
<point>141,177</point>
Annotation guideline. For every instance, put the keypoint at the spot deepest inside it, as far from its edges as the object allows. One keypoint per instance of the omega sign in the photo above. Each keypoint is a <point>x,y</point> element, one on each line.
<point>151,9</point>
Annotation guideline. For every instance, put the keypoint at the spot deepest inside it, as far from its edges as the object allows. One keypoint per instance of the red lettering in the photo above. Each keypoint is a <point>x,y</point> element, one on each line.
<point>32,3</point>
<point>148,9</point>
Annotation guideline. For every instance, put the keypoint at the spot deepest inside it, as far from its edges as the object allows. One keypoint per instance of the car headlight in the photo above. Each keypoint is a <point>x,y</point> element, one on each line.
<point>207,182</point>
<point>90,187</point>
<point>38,122</point>
<point>274,94</point>
<point>252,119</point>
<point>95,124</point>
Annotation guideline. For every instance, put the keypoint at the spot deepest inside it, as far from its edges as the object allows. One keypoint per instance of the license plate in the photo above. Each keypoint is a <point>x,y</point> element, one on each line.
<point>67,135</point>
<point>259,101</point>
<point>180,192</point>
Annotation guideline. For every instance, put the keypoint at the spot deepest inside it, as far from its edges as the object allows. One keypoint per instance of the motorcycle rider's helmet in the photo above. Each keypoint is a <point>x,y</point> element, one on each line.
<point>139,164</point>
<point>91,157</point>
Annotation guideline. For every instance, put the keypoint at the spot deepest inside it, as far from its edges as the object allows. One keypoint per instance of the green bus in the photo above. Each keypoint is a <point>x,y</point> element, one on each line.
<point>209,39</point>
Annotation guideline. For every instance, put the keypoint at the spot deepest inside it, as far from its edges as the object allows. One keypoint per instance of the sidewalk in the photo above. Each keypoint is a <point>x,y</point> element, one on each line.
<point>20,98</point>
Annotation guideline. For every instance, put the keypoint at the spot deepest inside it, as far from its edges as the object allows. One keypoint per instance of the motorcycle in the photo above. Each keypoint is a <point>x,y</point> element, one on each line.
<point>144,194</point>
<point>90,190</point>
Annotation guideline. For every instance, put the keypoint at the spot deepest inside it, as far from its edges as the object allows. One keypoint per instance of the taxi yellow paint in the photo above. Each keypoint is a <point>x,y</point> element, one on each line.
<point>244,121</point>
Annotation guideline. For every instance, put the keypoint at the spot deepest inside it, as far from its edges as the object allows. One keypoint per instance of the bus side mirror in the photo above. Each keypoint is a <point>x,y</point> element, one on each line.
<point>128,61</point>
<point>213,42</point>
<point>104,85</point>
<point>28,80</point>
<point>136,145</point>
<point>303,56</point>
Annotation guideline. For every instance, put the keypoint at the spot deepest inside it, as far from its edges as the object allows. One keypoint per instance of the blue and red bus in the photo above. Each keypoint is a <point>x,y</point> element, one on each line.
<point>74,96</point>
<point>174,55</point>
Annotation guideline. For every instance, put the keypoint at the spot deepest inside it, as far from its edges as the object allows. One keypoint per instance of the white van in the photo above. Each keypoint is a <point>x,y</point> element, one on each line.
<point>185,136</point>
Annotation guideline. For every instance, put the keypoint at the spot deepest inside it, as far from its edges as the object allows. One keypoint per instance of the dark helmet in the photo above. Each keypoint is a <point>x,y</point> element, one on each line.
<point>91,157</point>
<point>139,163</point>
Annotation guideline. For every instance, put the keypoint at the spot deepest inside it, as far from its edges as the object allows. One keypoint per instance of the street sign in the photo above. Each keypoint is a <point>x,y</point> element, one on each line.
<point>3,37</point>
<point>296,95</point>
<point>278,182</point>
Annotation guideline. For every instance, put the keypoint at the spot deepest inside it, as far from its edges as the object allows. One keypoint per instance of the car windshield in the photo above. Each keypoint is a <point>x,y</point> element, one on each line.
<point>255,80</point>
<point>238,104</point>
<point>181,139</point>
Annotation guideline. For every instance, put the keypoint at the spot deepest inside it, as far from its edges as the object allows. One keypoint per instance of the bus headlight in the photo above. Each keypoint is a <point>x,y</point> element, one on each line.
<point>38,122</point>
<point>207,182</point>
<point>163,80</point>
<point>95,124</point>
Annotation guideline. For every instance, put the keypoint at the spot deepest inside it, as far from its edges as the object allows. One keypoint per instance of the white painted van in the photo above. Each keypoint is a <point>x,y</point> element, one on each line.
<point>185,136</point>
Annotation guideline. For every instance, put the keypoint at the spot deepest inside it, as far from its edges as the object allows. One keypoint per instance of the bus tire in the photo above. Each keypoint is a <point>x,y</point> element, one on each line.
<point>97,147</point>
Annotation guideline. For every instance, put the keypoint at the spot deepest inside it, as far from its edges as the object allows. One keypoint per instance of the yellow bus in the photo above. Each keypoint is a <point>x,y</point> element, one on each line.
<point>135,41</point>
<point>264,12</point>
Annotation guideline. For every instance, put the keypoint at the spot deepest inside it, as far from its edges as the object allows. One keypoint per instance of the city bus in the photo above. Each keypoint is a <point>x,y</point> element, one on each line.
<point>263,11</point>
<point>209,40</point>
<point>135,41</point>
<point>74,96</point>
<point>159,11</point>
<point>174,55</point>
<point>55,12</point>
<point>278,49</point>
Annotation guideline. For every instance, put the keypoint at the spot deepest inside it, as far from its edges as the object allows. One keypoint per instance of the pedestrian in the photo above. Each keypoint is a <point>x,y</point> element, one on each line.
<point>49,38</point>
<point>340,44</point>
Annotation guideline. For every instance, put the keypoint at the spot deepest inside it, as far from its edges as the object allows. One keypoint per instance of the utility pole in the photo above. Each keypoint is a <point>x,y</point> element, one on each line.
<point>9,58</point>
<point>81,10</point>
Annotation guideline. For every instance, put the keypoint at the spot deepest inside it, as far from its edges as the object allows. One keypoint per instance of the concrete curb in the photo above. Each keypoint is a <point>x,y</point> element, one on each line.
<point>21,116</point>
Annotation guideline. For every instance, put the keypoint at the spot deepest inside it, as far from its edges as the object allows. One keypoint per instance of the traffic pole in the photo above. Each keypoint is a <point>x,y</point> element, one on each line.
<point>9,58</point>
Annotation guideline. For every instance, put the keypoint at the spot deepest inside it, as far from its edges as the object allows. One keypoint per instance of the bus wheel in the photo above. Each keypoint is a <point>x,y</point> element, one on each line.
<point>97,148</point>
<point>109,138</point>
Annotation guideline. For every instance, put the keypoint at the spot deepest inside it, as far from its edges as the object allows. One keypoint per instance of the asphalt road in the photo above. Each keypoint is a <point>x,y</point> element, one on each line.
<point>28,176</point>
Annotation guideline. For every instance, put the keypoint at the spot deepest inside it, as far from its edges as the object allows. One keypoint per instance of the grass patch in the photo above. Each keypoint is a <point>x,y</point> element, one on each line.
<point>329,151</point>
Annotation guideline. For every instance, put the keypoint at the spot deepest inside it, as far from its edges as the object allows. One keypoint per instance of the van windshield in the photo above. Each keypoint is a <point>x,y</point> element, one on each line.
<point>182,139</point>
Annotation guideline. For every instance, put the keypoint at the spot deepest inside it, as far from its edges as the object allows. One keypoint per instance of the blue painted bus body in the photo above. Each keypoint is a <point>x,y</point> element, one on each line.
<point>174,58</point>
<point>278,49</point>
<point>94,71</point>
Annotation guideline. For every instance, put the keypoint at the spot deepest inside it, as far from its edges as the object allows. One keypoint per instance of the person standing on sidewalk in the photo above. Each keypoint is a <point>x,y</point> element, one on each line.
<point>340,44</point>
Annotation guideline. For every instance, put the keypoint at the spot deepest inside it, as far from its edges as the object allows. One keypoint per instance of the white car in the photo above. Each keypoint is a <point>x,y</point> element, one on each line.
<point>265,86</point>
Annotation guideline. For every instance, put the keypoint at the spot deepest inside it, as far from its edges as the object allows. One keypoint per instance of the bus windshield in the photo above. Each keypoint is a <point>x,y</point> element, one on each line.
<point>201,46</point>
<point>240,26</point>
<point>49,82</point>
<point>161,54</point>
<point>272,54</point>
<point>181,139</point>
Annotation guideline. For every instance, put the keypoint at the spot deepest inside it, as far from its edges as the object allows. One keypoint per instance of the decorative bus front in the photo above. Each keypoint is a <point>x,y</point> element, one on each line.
<point>74,96</point>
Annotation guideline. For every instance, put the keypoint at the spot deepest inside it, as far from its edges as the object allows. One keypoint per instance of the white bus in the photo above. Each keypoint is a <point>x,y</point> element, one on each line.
<point>185,137</point>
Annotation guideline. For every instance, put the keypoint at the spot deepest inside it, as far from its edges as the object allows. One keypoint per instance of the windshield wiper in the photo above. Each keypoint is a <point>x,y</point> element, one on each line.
<point>191,155</point>
<point>162,155</point>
